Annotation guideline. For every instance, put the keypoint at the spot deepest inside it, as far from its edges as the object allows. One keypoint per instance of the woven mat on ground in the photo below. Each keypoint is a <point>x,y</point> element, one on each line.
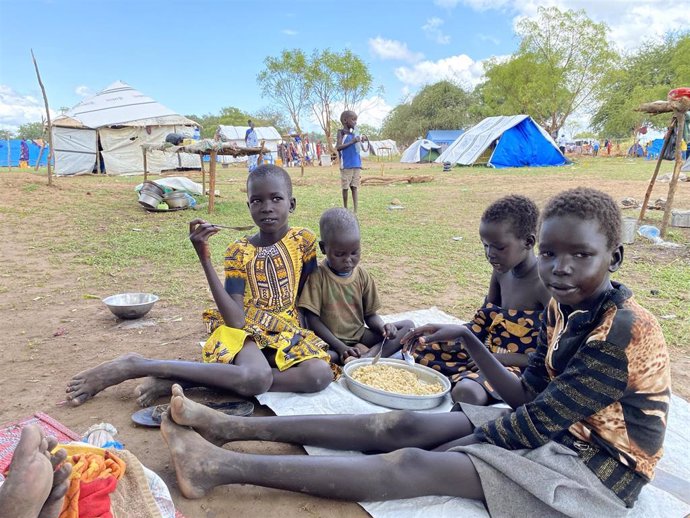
<point>11,432</point>
<point>654,502</point>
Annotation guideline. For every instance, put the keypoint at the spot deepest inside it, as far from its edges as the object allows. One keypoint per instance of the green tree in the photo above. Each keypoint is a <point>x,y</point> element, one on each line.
<point>272,117</point>
<point>30,130</point>
<point>335,77</point>
<point>284,80</point>
<point>646,75</point>
<point>6,134</point>
<point>442,105</point>
<point>564,55</point>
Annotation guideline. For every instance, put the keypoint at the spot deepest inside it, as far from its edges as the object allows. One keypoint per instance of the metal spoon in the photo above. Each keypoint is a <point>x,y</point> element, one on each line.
<point>378,354</point>
<point>249,227</point>
<point>407,356</point>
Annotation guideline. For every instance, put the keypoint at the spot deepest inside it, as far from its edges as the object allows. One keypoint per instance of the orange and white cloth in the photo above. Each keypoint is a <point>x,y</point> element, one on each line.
<point>95,474</point>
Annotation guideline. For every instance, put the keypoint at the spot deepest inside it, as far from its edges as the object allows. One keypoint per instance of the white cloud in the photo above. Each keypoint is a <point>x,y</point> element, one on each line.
<point>433,31</point>
<point>17,109</point>
<point>289,32</point>
<point>630,23</point>
<point>461,69</point>
<point>83,91</point>
<point>393,49</point>
<point>490,38</point>
<point>369,111</point>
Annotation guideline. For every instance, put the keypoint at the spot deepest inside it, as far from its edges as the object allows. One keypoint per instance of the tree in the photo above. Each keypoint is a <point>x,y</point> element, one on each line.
<point>334,77</point>
<point>442,105</point>
<point>30,130</point>
<point>272,117</point>
<point>284,80</point>
<point>646,75</point>
<point>564,55</point>
<point>6,134</point>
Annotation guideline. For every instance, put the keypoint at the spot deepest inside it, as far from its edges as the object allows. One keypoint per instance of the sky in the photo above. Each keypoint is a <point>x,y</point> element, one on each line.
<point>198,56</point>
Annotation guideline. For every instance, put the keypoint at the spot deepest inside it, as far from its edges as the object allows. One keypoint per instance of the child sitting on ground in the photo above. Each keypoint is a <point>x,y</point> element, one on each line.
<point>582,437</point>
<point>509,322</point>
<point>340,298</point>
<point>257,342</point>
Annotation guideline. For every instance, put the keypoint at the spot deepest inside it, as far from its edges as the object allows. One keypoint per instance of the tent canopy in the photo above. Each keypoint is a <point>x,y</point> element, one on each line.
<point>116,122</point>
<point>421,150</point>
<point>506,141</point>
<point>444,138</point>
<point>381,148</point>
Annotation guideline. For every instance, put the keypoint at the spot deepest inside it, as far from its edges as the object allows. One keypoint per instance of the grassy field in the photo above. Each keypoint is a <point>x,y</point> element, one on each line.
<point>427,254</point>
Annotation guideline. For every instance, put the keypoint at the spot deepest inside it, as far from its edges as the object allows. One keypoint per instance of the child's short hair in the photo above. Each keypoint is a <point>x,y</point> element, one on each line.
<point>519,211</point>
<point>271,171</point>
<point>337,221</point>
<point>586,203</point>
<point>345,114</point>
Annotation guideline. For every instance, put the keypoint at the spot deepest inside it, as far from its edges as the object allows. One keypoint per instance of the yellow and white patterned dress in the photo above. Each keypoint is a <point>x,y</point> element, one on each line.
<point>269,278</point>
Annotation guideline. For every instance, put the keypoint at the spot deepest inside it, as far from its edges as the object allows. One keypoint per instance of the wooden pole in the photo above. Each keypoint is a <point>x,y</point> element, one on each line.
<point>260,159</point>
<point>98,158</point>
<point>212,181</point>
<point>203,174</point>
<point>648,194</point>
<point>50,126</point>
<point>40,155</point>
<point>146,167</point>
<point>679,117</point>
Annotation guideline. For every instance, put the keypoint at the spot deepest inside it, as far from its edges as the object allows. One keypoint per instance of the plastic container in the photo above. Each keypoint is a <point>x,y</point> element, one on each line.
<point>628,230</point>
<point>650,232</point>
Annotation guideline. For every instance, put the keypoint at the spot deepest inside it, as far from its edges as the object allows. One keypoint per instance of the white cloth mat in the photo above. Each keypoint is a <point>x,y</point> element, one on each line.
<point>337,399</point>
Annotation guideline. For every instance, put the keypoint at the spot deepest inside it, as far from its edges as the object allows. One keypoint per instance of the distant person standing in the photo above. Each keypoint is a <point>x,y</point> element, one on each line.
<point>350,159</point>
<point>595,147</point>
<point>683,149</point>
<point>561,144</point>
<point>251,139</point>
<point>23,155</point>
<point>609,145</point>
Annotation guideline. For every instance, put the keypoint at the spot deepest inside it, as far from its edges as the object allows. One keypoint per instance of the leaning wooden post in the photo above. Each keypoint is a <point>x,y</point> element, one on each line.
<point>679,117</point>
<point>212,181</point>
<point>203,173</point>
<point>50,126</point>
<point>146,168</point>
<point>650,187</point>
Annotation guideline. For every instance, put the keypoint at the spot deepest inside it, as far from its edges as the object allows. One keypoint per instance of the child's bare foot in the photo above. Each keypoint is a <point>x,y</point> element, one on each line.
<point>61,481</point>
<point>203,419</point>
<point>151,389</point>
<point>30,478</point>
<point>195,460</point>
<point>86,384</point>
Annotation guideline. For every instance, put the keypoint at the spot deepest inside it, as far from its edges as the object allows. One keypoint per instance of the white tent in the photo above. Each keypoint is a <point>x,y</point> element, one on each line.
<point>236,134</point>
<point>686,165</point>
<point>382,148</point>
<point>120,119</point>
<point>421,150</point>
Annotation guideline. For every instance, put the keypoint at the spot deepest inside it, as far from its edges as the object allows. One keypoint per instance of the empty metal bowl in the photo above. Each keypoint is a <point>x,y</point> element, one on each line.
<point>176,199</point>
<point>130,305</point>
<point>149,199</point>
<point>391,399</point>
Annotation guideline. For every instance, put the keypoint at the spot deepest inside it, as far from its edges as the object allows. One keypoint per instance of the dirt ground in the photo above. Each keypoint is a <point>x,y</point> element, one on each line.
<point>51,331</point>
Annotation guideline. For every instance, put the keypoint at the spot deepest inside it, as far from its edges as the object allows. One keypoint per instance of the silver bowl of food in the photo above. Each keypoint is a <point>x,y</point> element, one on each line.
<point>130,305</point>
<point>391,399</point>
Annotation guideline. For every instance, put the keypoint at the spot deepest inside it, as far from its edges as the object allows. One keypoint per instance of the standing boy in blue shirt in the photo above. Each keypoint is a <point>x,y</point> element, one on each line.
<point>350,161</point>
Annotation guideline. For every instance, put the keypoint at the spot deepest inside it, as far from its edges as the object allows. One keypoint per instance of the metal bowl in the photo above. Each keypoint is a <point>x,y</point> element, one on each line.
<point>130,305</point>
<point>149,199</point>
<point>176,199</point>
<point>391,399</point>
<point>152,187</point>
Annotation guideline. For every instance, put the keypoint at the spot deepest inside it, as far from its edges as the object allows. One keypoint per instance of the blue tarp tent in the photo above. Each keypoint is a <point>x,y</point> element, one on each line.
<point>505,141</point>
<point>654,148</point>
<point>15,149</point>
<point>444,138</point>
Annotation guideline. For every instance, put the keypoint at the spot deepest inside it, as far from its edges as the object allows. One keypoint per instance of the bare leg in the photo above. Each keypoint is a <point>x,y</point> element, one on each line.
<point>355,199</point>
<point>366,432</point>
<point>309,376</point>
<point>250,374</point>
<point>345,198</point>
<point>407,473</point>
<point>468,391</point>
<point>391,346</point>
<point>30,489</point>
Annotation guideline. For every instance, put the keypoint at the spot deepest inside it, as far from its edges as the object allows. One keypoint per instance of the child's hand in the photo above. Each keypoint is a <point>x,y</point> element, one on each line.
<point>389,331</point>
<point>356,139</point>
<point>199,232</point>
<point>430,333</point>
<point>349,352</point>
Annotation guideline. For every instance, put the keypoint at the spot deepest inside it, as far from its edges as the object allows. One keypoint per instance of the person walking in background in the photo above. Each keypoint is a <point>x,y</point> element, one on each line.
<point>595,148</point>
<point>251,139</point>
<point>23,155</point>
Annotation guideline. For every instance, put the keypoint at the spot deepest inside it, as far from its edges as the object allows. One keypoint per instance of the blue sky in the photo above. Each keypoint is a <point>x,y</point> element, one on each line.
<point>197,56</point>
